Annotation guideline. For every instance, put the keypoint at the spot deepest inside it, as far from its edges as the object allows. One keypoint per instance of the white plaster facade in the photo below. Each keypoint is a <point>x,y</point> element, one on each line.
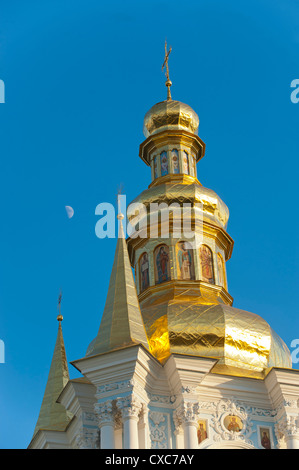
<point>127,399</point>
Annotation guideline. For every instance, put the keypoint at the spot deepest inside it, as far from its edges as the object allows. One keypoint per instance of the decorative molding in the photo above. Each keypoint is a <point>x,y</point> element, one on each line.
<point>124,386</point>
<point>158,426</point>
<point>288,427</point>
<point>250,410</point>
<point>291,402</point>
<point>130,407</point>
<point>187,412</point>
<point>260,412</point>
<point>90,417</point>
<point>105,412</point>
<point>178,429</point>
<point>189,389</point>
<point>226,408</point>
<point>162,399</point>
<point>287,403</point>
<point>87,439</point>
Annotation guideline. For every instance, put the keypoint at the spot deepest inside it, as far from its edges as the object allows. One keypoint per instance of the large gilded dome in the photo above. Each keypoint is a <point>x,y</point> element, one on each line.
<point>170,114</point>
<point>180,320</point>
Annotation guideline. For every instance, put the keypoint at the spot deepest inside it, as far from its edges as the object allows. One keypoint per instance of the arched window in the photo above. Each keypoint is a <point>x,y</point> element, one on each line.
<point>143,272</point>
<point>221,272</point>
<point>206,263</point>
<point>185,261</point>
<point>162,264</point>
<point>164,164</point>
<point>175,161</point>
<point>186,169</point>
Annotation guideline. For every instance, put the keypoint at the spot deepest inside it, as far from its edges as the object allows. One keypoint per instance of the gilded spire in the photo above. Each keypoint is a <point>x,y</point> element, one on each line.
<point>121,323</point>
<point>168,83</point>
<point>52,415</point>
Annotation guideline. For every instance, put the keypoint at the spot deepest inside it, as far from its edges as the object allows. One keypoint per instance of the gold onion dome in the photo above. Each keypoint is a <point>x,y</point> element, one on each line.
<point>170,115</point>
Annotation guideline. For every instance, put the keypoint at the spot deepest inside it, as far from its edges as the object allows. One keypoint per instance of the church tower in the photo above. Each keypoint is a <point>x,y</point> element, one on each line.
<point>174,365</point>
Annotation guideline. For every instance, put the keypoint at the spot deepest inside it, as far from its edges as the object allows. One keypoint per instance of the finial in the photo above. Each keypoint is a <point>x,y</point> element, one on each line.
<point>168,83</point>
<point>59,317</point>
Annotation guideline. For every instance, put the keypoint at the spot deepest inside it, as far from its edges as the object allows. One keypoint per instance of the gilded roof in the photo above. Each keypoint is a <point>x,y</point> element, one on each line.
<point>211,206</point>
<point>184,321</point>
<point>53,416</point>
<point>121,323</point>
<point>170,114</point>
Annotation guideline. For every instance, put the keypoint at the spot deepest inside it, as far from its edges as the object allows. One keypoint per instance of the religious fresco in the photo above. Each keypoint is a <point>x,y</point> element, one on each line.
<point>162,264</point>
<point>185,163</point>
<point>221,275</point>
<point>155,168</point>
<point>206,263</point>
<point>194,165</point>
<point>185,261</point>
<point>164,164</point>
<point>144,272</point>
<point>202,431</point>
<point>175,161</point>
<point>265,438</point>
<point>233,423</point>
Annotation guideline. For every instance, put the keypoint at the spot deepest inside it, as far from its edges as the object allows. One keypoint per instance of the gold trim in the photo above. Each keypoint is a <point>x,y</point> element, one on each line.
<point>174,137</point>
<point>175,178</point>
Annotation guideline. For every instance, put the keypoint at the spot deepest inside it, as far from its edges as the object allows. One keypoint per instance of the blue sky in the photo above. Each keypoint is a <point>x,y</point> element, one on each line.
<point>79,77</point>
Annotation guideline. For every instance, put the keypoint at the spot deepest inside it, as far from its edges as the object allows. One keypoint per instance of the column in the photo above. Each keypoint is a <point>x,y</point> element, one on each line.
<point>143,430</point>
<point>105,415</point>
<point>187,415</point>
<point>178,432</point>
<point>289,428</point>
<point>130,409</point>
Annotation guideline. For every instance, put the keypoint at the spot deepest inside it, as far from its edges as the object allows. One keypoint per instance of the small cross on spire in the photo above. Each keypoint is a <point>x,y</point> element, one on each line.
<point>59,317</point>
<point>165,64</point>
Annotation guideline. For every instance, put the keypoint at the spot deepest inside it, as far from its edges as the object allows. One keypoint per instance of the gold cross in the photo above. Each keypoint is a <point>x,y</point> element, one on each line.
<point>59,317</point>
<point>165,64</point>
<point>59,302</point>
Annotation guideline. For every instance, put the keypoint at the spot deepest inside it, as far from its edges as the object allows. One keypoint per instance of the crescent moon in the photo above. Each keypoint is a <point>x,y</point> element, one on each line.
<point>69,211</point>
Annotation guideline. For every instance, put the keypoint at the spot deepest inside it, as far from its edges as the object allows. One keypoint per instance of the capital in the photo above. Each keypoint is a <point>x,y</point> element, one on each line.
<point>104,412</point>
<point>187,413</point>
<point>288,427</point>
<point>130,407</point>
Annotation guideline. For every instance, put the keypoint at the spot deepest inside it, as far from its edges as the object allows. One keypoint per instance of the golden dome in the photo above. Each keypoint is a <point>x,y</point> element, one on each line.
<point>170,114</point>
<point>183,320</point>
<point>214,210</point>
